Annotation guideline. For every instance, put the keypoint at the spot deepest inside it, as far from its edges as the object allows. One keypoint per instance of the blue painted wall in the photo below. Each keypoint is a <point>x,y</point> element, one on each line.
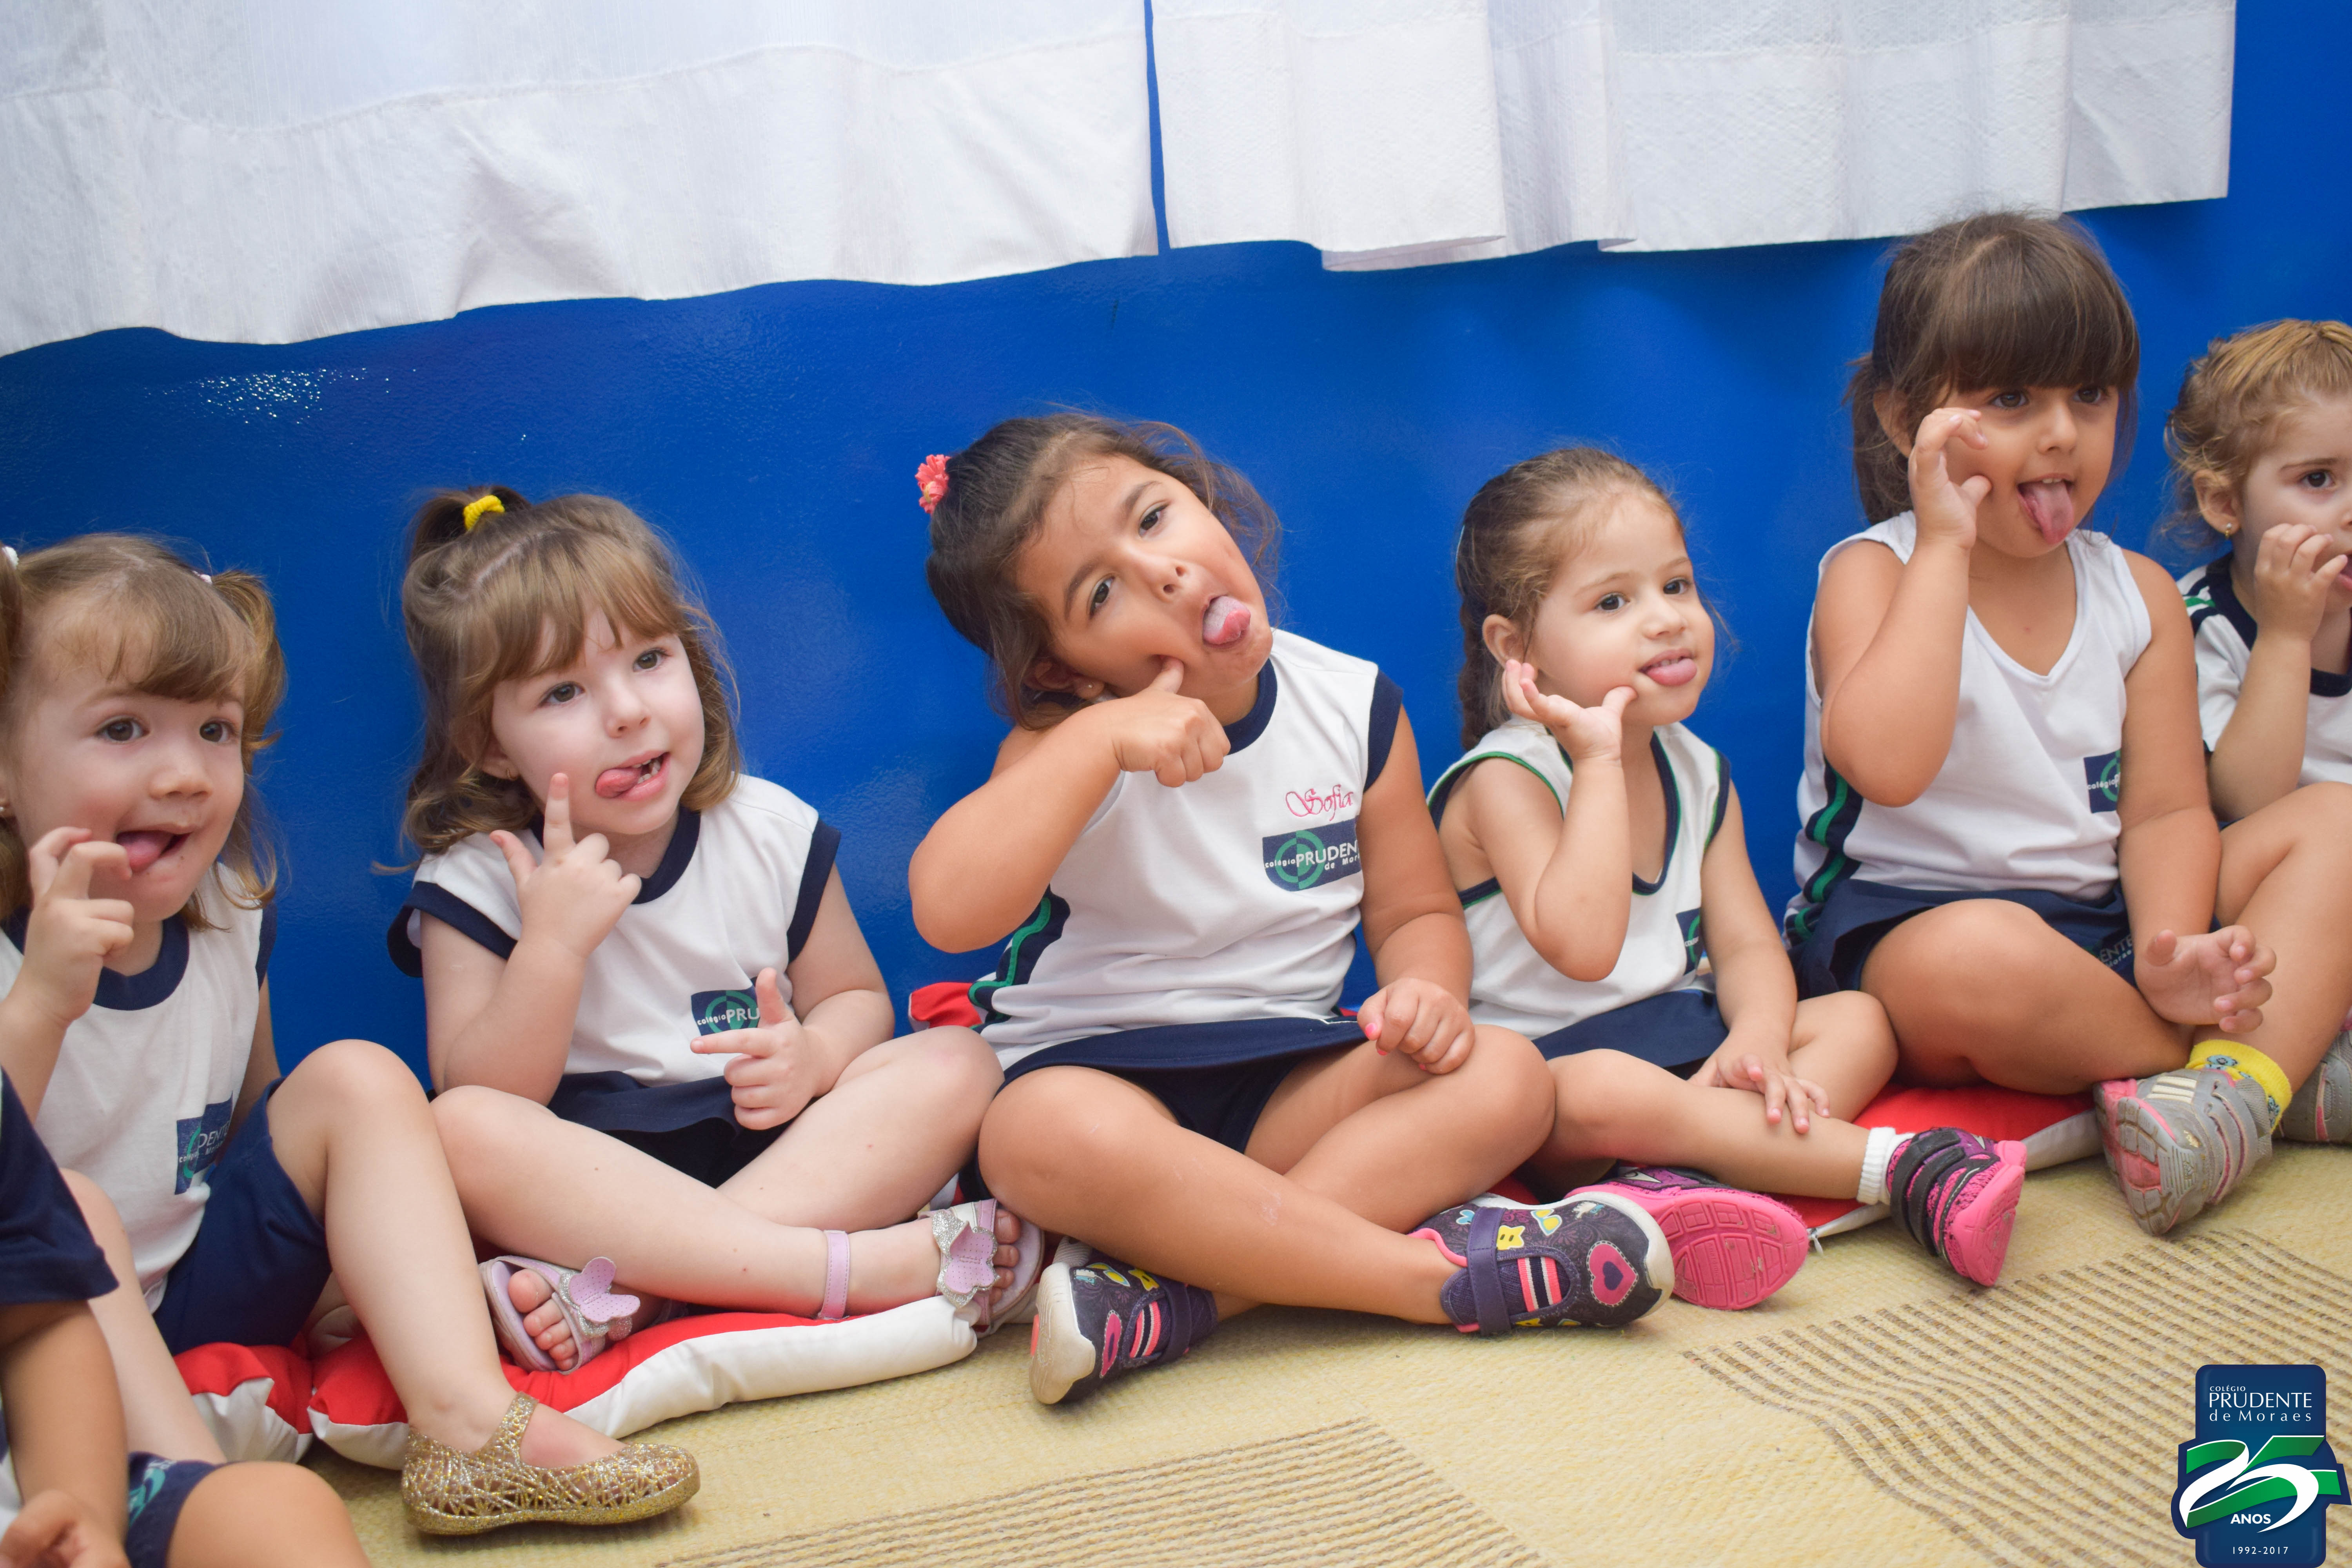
<point>775,433</point>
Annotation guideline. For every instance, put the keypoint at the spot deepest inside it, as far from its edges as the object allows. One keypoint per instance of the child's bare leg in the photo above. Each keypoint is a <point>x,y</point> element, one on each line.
<point>2286,875</point>
<point>1982,990</point>
<point>263,1516</point>
<point>157,1414</point>
<point>354,1134</point>
<point>1091,1156</point>
<point>1612,1105</point>
<point>1843,1043</point>
<point>534,1184</point>
<point>901,1120</point>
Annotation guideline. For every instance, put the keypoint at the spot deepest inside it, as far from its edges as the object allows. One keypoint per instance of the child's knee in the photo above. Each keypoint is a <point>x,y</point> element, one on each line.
<point>1048,1129</point>
<point>1976,964</point>
<point>959,1064</point>
<point>356,1073</point>
<point>1852,1022</point>
<point>1518,1089</point>
<point>473,1119</point>
<point>1596,1094</point>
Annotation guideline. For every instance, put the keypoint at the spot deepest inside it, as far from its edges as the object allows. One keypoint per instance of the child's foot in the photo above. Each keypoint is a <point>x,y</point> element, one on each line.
<point>903,1263</point>
<point>1956,1193</point>
<point>543,1320</point>
<point>1105,1318</point>
<point>1731,1248</point>
<point>2179,1141</point>
<point>1593,1260</point>
<point>2321,1110</point>
<point>525,1471</point>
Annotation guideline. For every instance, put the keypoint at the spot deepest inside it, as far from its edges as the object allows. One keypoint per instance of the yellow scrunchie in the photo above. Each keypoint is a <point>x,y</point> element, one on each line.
<point>477,508</point>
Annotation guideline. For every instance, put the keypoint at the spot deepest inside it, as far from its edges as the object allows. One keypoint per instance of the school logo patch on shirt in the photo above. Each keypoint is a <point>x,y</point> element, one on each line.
<point>1309,856</point>
<point>2105,776</point>
<point>716,1011</point>
<point>1694,939</point>
<point>201,1140</point>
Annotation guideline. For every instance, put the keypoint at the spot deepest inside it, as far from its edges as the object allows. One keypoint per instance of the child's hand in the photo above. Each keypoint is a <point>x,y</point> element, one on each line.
<point>576,895</point>
<point>1586,734</point>
<point>779,1067</point>
<point>57,1531</point>
<point>1946,510</point>
<point>70,934</point>
<point>1156,731</point>
<point>1423,1021</point>
<point>2216,977</point>
<point>2291,587</point>
<point>1740,1063</point>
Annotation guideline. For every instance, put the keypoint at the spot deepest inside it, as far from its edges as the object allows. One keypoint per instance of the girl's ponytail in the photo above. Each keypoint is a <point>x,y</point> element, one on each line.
<point>453,514</point>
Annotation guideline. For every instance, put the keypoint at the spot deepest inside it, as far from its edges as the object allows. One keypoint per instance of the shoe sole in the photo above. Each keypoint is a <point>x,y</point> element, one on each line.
<point>1978,1246</point>
<point>432,1521</point>
<point>1730,1249</point>
<point>1060,1357</point>
<point>2319,1111</point>
<point>2131,1131</point>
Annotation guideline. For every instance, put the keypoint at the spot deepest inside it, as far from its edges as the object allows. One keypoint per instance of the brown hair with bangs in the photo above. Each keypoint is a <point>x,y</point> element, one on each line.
<point>998,490</point>
<point>2230,403</point>
<point>509,598</point>
<point>1517,530</point>
<point>152,622</point>
<point>2001,299</point>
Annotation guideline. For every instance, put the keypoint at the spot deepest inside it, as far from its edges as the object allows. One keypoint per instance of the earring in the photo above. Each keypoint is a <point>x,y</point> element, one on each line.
<point>1090,689</point>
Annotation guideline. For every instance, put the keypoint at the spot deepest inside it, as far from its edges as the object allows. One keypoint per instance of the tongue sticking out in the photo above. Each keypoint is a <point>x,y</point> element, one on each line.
<point>2050,508</point>
<point>143,850</point>
<point>1225,622</point>
<point>615,782</point>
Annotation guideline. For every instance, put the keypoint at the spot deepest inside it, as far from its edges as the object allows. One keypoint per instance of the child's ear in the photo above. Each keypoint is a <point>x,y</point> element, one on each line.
<point>1503,638</point>
<point>495,761</point>
<point>1887,404</point>
<point>2217,502</point>
<point>1048,673</point>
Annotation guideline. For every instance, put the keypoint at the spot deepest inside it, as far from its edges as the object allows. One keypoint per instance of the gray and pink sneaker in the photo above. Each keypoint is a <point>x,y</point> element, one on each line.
<point>1731,1248</point>
<point>2179,1141</point>
<point>1956,1193</point>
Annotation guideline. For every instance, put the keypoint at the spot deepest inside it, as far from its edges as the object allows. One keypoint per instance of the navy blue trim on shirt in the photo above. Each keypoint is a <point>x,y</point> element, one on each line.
<point>2216,582</point>
<point>675,859</point>
<point>1484,891</point>
<point>822,842</point>
<point>1388,702</point>
<point>431,898</point>
<point>1722,794</point>
<point>268,940</point>
<point>1254,722</point>
<point>129,993</point>
<point>1673,812</point>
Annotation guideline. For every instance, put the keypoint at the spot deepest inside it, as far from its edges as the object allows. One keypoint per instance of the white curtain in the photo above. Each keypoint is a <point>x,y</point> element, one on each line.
<point>1675,124</point>
<point>270,170</point>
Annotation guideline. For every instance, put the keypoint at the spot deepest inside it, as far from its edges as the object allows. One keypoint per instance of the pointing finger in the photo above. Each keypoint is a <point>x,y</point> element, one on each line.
<point>1619,696</point>
<point>42,857</point>
<point>772,1010</point>
<point>555,832</point>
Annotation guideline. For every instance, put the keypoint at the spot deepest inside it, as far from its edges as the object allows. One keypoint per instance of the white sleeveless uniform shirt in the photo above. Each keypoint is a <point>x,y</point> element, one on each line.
<point>1233,896</point>
<point>2225,640</point>
<point>1512,984</point>
<point>2027,795</point>
<point>736,892</point>
<point>147,1080</point>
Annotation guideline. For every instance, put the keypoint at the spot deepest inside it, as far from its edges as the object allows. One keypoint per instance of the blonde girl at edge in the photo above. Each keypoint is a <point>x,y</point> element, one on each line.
<point>2261,452</point>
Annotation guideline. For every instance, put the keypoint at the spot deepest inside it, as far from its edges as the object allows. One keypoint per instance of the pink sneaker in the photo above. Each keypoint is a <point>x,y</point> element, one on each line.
<point>1731,1247</point>
<point>1956,1194</point>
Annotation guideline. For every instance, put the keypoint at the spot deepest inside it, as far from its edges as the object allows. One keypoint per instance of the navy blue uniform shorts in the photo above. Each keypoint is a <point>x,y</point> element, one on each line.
<point>1214,1078</point>
<point>260,1260</point>
<point>158,1490</point>
<point>1677,1030</point>
<point>1858,915</point>
<point>689,1127</point>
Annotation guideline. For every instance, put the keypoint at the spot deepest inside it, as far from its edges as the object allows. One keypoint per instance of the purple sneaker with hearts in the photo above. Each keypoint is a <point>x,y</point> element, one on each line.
<point>1731,1247</point>
<point>1594,1260</point>
<point>1107,1319</point>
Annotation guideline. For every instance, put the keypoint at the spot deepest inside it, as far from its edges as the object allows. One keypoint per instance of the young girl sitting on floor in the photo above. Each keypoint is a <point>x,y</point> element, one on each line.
<point>2006,836</point>
<point>656,1028</point>
<point>1614,915</point>
<point>135,692</point>
<point>2262,450</point>
<point>1191,817</point>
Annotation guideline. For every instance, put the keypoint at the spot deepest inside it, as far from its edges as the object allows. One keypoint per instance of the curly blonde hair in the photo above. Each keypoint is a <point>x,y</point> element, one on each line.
<point>2232,400</point>
<point>508,596</point>
<point>136,609</point>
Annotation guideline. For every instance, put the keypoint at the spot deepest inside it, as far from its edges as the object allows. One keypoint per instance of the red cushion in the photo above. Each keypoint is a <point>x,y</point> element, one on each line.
<point>945,1004</point>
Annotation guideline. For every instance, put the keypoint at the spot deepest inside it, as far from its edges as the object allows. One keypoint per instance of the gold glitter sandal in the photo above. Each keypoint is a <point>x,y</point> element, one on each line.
<point>450,1493</point>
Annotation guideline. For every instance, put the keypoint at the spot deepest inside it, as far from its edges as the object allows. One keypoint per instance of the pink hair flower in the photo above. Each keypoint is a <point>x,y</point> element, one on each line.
<point>931,478</point>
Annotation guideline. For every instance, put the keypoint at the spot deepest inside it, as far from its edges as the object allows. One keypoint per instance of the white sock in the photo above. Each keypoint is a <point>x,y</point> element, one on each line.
<point>1877,1158</point>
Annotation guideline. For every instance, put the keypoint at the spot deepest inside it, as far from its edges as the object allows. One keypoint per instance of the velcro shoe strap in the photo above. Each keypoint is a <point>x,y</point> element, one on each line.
<point>1485,1277</point>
